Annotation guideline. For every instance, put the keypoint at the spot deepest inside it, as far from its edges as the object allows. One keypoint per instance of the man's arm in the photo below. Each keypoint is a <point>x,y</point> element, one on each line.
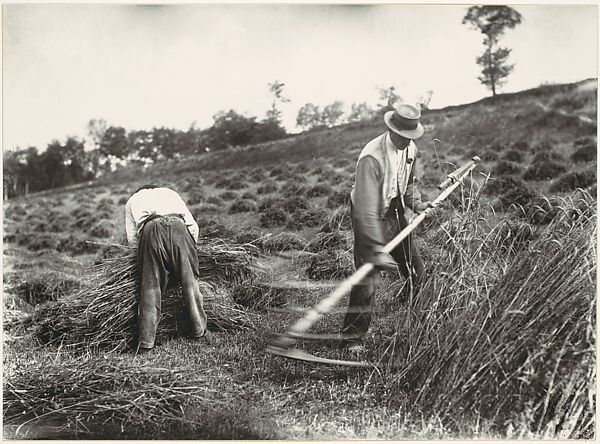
<point>367,202</point>
<point>130,227</point>
<point>191,224</point>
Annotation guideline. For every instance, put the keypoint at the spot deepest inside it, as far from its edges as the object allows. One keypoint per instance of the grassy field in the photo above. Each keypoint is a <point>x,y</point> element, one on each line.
<point>499,344</point>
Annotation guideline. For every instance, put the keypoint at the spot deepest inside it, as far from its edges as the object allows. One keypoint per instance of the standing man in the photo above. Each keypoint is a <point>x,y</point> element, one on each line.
<point>163,230</point>
<point>383,188</point>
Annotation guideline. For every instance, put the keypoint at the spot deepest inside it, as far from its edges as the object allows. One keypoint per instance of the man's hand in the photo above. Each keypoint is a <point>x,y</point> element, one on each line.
<point>383,261</point>
<point>419,208</point>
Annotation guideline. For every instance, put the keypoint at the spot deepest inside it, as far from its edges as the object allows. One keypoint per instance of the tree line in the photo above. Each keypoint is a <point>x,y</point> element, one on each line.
<point>60,164</point>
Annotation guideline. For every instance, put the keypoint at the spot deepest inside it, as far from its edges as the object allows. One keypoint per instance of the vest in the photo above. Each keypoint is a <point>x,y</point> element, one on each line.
<point>390,186</point>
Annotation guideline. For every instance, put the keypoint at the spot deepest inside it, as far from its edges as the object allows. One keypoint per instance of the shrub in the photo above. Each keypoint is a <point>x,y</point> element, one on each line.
<point>338,198</point>
<point>521,146</point>
<point>293,189</point>
<point>242,206</point>
<point>215,200</point>
<point>585,153</point>
<point>228,195</point>
<point>584,141</point>
<point>330,265</point>
<point>490,156</point>
<point>318,190</point>
<point>256,175</point>
<point>249,195</point>
<point>273,217</point>
<point>544,170</point>
<point>301,168</point>
<point>295,203</point>
<point>506,168</point>
<point>102,229</point>
<point>269,186</point>
<point>572,180</point>
<point>510,190</point>
<point>195,196</point>
<point>542,156</point>
<point>268,202</point>
<point>206,208</point>
<point>77,245</point>
<point>211,228</point>
<point>309,218</point>
<point>513,155</point>
<point>123,200</point>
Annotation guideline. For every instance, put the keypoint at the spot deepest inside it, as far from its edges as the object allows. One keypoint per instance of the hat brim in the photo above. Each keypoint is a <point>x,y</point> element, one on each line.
<point>409,134</point>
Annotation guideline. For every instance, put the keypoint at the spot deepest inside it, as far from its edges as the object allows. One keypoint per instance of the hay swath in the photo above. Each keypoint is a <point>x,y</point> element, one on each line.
<point>282,345</point>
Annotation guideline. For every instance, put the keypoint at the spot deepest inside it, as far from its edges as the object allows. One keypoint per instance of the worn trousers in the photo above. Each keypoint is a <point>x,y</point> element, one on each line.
<point>406,255</point>
<point>167,250</point>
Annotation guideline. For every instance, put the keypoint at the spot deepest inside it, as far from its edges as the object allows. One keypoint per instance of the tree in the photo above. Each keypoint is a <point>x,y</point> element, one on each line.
<point>309,117</point>
<point>492,22</point>
<point>332,114</point>
<point>388,97</point>
<point>276,88</point>
<point>114,142</point>
<point>360,111</point>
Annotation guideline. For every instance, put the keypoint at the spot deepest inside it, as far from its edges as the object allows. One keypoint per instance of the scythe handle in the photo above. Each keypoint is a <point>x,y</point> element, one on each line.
<point>453,177</point>
<point>315,313</point>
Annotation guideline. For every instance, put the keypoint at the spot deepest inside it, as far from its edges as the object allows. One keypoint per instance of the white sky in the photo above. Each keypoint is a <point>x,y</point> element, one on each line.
<point>145,66</point>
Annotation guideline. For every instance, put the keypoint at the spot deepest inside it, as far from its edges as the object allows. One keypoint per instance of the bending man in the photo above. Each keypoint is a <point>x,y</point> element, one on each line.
<point>163,230</point>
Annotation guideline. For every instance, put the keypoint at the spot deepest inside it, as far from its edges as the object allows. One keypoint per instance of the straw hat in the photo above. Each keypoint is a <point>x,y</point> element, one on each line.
<point>404,120</point>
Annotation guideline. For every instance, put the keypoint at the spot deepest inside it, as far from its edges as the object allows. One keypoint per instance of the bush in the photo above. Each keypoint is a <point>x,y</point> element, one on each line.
<point>521,146</point>
<point>123,200</point>
<point>293,188</point>
<point>211,228</point>
<point>318,190</point>
<point>513,155</point>
<point>294,203</point>
<point>510,190</point>
<point>506,168</point>
<point>215,200</point>
<point>102,229</point>
<point>273,217</point>
<point>249,195</point>
<point>544,170</point>
<point>338,198</point>
<point>269,202</point>
<point>543,156</point>
<point>490,156</point>
<point>584,154</point>
<point>77,245</point>
<point>242,206</point>
<point>228,195</point>
<point>571,181</point>
<point>256,175</point>
<point>268,186</point>
<point>195,196</point>
<point>309,218</point>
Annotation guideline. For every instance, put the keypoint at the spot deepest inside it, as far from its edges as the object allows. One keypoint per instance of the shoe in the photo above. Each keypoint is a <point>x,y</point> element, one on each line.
<point>355,347</point>
<point>143,350</point>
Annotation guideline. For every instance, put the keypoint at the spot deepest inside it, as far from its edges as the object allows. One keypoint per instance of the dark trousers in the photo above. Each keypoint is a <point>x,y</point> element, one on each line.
<point>406,255</point>
<point>167,248</point>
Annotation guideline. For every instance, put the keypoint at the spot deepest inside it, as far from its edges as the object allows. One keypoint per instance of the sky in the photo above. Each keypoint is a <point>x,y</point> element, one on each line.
<point>150,66</point>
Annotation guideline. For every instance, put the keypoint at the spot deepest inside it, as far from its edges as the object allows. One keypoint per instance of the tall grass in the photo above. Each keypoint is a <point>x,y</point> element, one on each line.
<point>503,330</point>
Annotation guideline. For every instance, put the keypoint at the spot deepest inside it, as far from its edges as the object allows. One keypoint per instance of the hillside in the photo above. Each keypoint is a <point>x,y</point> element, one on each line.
<point>287,203</point>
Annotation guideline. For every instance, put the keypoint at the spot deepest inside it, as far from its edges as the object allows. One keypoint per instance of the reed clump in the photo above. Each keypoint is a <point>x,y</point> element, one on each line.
<point>506,334</point>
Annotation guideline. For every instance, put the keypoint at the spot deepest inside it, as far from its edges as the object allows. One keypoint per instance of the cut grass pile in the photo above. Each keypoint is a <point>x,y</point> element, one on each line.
<point>103,314</point>
<point>95,395</point>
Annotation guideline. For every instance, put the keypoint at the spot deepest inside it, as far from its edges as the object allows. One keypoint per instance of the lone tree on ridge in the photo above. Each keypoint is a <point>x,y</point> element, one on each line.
<point>492,21</point>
